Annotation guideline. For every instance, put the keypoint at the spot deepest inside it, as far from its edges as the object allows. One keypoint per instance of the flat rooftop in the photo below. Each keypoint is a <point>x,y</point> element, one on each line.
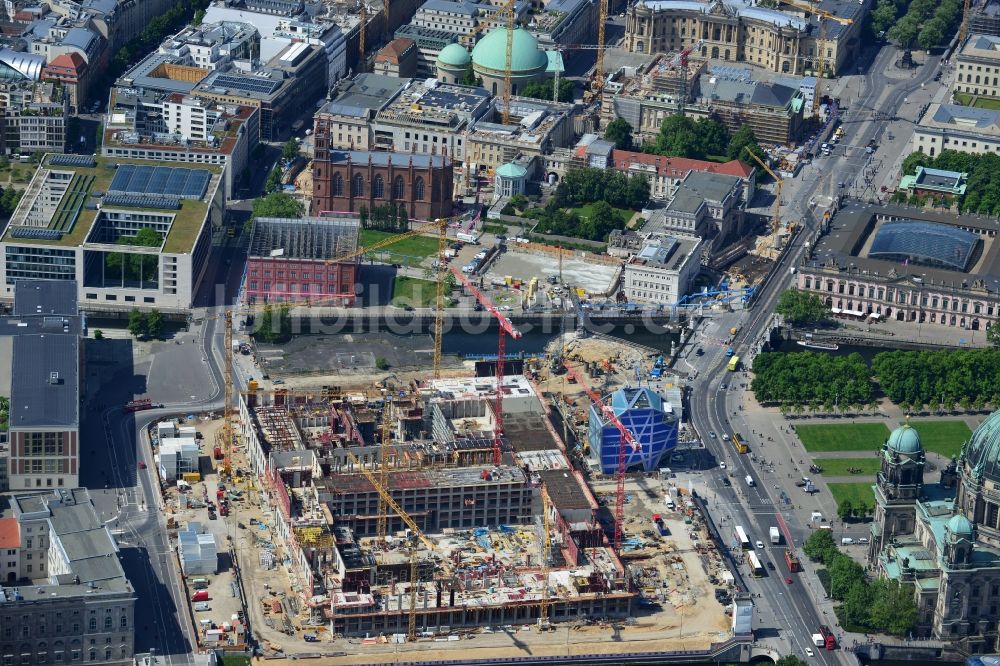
<point>45,381</point>
<point>956,118</point>
<point>981,47</point>
<point>363,94</point>
<point>45,297</point>
<point>87,183</point>
<point>436,103</point>
<point>438,478</point>
<point>527,432</point>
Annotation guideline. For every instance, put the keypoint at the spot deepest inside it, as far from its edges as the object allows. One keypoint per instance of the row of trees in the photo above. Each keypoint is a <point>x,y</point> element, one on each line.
<point>925,22</point>
<point>543,90</point>
<point>801,307</point>
<point>983,184</point>
<point>809,378</point>
<point>880,605</point>
<point>143,325</point>
<point>385,217</point>
<point>583,186</point>
<point>914,379</point>
<point>681,136</point>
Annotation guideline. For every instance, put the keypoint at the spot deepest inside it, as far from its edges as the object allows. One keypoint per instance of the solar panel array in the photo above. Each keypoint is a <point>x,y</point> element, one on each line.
<point>156,181</point>
<point>141,202</point>
<point>73,160</point>
<point>36,233</point>
<point>246,84</point>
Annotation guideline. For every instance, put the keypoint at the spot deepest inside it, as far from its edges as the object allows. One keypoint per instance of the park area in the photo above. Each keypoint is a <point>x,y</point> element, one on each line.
<point>977,102</point>
<point>942,437</point>
<point>849,466</point>
<point>415,247</point>
<point>825,437</point>
<point>413,292</point>
<point>856,494</point>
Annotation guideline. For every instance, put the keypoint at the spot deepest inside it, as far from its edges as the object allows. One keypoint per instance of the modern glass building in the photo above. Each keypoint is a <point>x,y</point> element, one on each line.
<point>650,418</point>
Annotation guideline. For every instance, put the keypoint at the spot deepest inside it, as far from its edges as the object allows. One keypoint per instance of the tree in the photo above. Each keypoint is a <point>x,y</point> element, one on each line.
<point>154,324</point>
<point>884,16</point>
<point>543,90</point>
<point>741,139</point>
<point>274,325</point>
<point>931,34</point>
<point>713,137</point>
<point>857,603</point>
<point>277,204</point>
<point>519,201</point>
<point>620,132</point>
<point>678,137</point>
<point>469,76</point>
<point>136,323</point>
<point>993,335</point>
<point>801,307</point>
<point>273,182</point>
<point>9,200</point>
<point>98,334</point>
<point>790,660</point>
<point>904,32</point>
<point>845,509</point>
<point>290,150</point>
<point>198,17</point>
<point>819,546</point>
<point>844,572</point>
<point>381,363</point>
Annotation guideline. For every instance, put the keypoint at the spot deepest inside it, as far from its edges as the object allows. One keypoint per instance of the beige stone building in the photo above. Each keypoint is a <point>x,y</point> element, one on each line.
<point>735,31</point>
<point>978,65</point>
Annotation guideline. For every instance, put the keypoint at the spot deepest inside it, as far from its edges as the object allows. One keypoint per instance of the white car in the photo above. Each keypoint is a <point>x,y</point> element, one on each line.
<point>722,465</point>
<point>809,652</point>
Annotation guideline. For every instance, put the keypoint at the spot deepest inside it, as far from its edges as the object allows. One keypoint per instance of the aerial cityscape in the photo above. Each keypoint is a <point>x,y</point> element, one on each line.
<point>445,332</point>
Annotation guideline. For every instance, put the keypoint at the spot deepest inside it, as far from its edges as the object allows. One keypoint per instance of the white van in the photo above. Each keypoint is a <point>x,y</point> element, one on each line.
<point>202,606</point>
<point>749,480</point>
<point>846,541</point>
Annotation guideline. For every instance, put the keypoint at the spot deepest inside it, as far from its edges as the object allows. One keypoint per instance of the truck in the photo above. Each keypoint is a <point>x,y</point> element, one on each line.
<point>775,535</point>
<point>817,640</point>
<point>794,566</point>
<point>829,640</point>
<point>470,237</point>
<point>217,453</point>
<point>138,405</point>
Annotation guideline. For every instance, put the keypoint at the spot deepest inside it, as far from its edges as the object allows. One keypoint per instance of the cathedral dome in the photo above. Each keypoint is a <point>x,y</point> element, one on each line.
<point>959,525</point>
<point>982,451</point>
<point>905,439</point>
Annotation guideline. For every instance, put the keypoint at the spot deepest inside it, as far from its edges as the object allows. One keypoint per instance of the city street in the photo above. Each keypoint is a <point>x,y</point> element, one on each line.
<point>786,613</point>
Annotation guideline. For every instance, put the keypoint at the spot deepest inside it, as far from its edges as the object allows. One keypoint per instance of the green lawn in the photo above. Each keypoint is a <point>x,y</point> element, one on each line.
<point>414,246</point>
<point>413,292</point>
<point>942,437</point>
<point>987,103</point>
<point>842,436</point>
<point>963,98</point>
<point>855,492</point>
<point>841,466</point>
<point>586,210</point>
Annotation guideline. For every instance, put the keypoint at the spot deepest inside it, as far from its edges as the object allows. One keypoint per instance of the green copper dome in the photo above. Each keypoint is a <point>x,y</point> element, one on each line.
<point>454,55</point>
<point>511,170</point>
<point>982,451</point>
<point>905,439</point>
<point>959,525</point>
<point>526,58</point>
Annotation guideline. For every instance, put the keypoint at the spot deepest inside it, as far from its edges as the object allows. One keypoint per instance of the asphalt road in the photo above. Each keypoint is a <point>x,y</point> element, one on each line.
<point>785,611</point>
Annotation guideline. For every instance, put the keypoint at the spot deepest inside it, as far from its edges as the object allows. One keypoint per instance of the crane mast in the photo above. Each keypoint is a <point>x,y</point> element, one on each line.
<point>626,438</point>
<point>506,328</point>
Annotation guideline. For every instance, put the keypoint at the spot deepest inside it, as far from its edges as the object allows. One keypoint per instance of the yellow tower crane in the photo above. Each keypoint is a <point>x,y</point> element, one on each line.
<point>777,199</point>
<point>383,467</point>
<point>225,436</point>
<point>543,612</point>
<point>362,60</point>
<point>417,533</point>
<point>821,42</point>
<point>602,19</point>
<point>508,62</point>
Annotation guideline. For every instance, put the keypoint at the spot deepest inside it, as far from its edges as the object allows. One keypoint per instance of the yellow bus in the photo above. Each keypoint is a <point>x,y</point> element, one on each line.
<point>734,362</point>
<point>738,443</point>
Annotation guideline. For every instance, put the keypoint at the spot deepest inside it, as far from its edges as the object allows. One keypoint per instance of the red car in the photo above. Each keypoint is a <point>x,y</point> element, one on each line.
<point>142,465</point>
<point>788,580</point>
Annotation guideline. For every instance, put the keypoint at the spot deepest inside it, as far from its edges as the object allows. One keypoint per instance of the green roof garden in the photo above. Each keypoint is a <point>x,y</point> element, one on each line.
<point>187,220</point>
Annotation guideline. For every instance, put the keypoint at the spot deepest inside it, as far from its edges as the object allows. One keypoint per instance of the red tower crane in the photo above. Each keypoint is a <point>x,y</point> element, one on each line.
<point>626,438</point>
<point>506,328</point>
